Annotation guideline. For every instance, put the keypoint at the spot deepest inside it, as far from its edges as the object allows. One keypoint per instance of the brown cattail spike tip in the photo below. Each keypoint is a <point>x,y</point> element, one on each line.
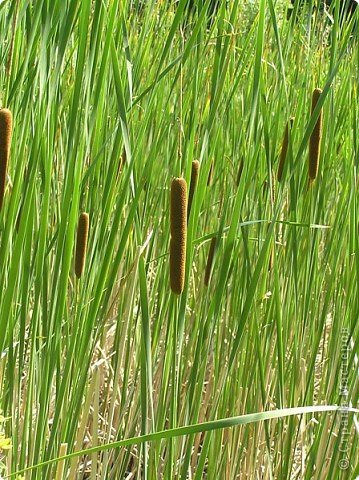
<point>208,271</point>
<point>5,140</point>
<point>81,244</point>
<point>315,139</point>
<point>193,185</point>
<point>178,234</point>
<point>284,150</point>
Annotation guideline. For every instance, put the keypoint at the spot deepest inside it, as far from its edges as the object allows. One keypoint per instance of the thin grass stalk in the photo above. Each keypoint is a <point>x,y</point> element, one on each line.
<point>315,139</point>
<point>122,162</point>
<point>61,465</point>
<point>210,175</point>
<point>271,259</point>
<point>240,171</point>
<point>193,185</point>
<point>284,149</point>
<point>208,271</point>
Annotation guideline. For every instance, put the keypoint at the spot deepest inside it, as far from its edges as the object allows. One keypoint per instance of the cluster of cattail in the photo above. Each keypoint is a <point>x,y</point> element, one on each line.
<point>81,243</point>
<point>5,141</point>
<point>180,211</point>
<point>314,150</point>
<point>314,142</point>
<point>178,240</point>
<point>83,223</point>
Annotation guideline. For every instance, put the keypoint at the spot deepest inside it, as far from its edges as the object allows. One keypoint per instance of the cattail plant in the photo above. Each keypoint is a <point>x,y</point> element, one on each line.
<point>284,150</point>
<point>193,185</point>
<point>207,273</point>
<point>315,139</point>
<point>81,244</point>
<point>5,141</point>
<point>178,234</point>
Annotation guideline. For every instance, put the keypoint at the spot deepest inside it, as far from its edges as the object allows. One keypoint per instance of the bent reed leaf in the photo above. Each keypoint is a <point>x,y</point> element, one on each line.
<point>209,426</point>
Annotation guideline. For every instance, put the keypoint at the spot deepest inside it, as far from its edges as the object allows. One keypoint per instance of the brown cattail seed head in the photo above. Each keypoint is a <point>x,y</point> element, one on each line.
<point>193,185</point>
<point>208,271</point>
<point>81,244</point>
<point>178,234</point>
<point>315,139</point>
<point>284,150</point>
<point>5,140</point>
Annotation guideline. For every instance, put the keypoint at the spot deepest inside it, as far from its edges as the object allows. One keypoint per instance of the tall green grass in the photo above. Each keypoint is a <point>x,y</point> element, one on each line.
<point>111,100</point>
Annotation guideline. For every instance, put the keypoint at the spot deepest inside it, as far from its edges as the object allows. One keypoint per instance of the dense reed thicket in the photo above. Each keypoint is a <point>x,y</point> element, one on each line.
<point>174,333</point>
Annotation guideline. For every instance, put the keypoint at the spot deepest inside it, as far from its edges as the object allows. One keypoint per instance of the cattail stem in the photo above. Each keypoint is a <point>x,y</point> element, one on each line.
<point>284,150</point>
<point>178,234</point>
<point>212,248</point>
<point>61,465</point>
<point>315,139</point>
<point>81,244</point>
<point>5,141</point>
<point>193,185</point>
